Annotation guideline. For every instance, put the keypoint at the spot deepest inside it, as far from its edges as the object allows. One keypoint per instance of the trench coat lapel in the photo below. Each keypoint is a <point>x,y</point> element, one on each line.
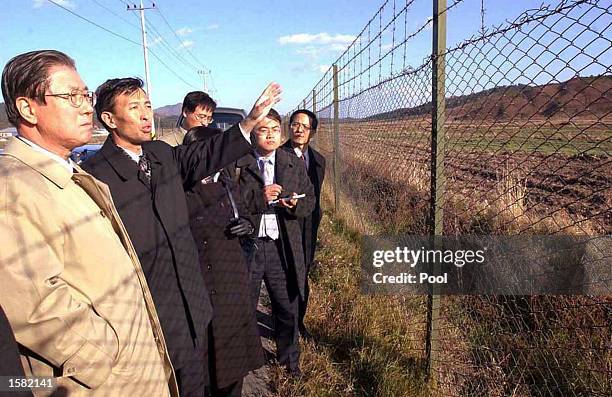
<point>248,163</point>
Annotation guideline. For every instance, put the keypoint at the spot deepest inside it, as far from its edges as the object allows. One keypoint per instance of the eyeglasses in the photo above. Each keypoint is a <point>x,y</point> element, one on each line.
<point>295,125</point>
<point>267,132</point>
<point>203,117</point>
<point>76,97</point>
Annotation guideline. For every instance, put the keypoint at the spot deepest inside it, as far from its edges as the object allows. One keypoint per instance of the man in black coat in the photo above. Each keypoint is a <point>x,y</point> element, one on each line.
<point>303,125</point>
<point>269,179</point>
<point>147,181</point>
<point>219,224</point>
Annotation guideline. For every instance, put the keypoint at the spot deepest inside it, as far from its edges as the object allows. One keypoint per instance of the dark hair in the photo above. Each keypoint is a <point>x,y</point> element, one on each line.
<point>27,75</point>
<point>198,98</point>
<point>200,134</point>
<point>111,89</point>
<point>313,118</point>
<point>273,114</point>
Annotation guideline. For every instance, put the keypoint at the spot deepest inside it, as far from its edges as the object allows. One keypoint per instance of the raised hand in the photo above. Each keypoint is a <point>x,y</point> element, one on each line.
<point>268,98</point>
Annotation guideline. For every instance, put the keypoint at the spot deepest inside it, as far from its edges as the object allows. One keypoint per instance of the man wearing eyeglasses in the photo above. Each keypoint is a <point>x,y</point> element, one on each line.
<point>303,126</point>
<point>147,180</point>
<point>197,111</point>
<point>71,284</point>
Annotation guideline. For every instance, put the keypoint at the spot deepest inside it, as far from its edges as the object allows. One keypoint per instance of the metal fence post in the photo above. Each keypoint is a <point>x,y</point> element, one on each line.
<point>314,101</point>
<point>437,168</point>
<point>314,110</point>
<point>336,141</point>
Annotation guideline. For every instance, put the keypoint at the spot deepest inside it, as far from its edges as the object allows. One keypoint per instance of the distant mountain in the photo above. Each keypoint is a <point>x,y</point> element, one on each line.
<point>169,110</point>
<point>582,97</point>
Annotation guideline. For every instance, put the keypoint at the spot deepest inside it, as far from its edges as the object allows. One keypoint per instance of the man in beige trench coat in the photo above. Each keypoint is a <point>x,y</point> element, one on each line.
<point>70,281</point>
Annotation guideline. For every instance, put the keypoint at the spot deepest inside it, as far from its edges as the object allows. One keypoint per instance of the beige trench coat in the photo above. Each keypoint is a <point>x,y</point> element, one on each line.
<point>71,284</point>
<point>174,137</point>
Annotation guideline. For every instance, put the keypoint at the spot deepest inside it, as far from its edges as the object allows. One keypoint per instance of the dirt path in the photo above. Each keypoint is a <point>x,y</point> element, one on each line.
<point>259,383</point>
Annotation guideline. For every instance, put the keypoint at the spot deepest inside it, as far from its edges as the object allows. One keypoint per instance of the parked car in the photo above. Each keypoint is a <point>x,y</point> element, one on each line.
<point>84,152</point>
<point>223,118</point>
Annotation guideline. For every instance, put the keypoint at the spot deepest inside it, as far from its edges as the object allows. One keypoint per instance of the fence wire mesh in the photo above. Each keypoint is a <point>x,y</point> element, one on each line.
<point>528,145</point>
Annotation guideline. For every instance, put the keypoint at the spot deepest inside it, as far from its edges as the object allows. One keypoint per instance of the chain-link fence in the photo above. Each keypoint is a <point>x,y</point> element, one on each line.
<point>522,144</point>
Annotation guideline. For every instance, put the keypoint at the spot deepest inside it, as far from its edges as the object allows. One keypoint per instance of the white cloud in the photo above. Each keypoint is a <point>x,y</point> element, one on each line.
<point>184,31</point>
<point>213,26</point>
<point>319,38</point>
<point>186,44</point>
<point>65,3</point>
<point>322,68</point>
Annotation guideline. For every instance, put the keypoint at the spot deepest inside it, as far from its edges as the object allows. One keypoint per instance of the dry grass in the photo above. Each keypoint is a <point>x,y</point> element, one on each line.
<point>364,345</point>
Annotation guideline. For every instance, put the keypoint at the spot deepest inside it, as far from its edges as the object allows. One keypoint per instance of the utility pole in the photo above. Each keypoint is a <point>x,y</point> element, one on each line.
<point>142,9</point>
<point>203,73</point>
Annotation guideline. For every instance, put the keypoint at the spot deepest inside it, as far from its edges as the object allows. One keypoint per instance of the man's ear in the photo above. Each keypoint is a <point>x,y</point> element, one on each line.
<point>108,119</point>
<point>25,109</point>
<point>184,114</point>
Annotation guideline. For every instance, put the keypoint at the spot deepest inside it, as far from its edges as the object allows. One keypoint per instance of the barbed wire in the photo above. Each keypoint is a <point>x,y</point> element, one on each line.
<point>528,151</point>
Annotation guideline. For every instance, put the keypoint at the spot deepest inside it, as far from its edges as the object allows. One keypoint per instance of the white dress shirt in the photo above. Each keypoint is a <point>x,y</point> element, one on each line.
<point>268,227</point>
<point>68,164</point>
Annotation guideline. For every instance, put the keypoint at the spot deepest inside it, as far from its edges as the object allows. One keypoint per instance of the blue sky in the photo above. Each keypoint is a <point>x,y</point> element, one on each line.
<point>245,44</point>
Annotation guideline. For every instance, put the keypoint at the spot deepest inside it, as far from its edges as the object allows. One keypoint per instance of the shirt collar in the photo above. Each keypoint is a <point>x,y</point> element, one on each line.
<point>134,156</point>
<point>68,164</point>
<point>271,158</point>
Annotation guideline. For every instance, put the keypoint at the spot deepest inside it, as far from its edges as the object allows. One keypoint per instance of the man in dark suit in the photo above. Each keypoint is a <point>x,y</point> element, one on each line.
<point>197,111</point>
<point>303,125</point>
<point>220,225</point>
<point>147,181</point>
<point>269,179</point>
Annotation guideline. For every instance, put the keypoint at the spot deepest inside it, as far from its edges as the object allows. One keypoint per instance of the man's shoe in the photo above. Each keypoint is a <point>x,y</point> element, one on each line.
<point>305,334</point>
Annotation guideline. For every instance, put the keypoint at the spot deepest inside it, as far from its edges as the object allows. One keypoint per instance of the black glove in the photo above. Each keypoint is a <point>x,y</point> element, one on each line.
<point>241,227</point>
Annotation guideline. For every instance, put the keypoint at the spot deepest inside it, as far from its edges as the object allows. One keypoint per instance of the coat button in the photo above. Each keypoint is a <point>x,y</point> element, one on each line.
<point>205,242</point>
<point>213,292</point>
<point>208,267</point>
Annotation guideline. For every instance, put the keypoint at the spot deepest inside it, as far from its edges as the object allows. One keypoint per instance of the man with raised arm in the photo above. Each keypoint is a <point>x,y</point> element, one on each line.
<point>148,180</point>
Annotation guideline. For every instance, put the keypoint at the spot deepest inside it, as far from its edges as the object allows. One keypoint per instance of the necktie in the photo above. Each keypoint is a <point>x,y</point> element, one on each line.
<point>145,166</point>
<point>269,226</point>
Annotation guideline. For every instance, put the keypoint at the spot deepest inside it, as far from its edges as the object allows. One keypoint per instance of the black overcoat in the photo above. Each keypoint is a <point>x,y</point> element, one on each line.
<point>173,170</point>
<point>292,176</point>
<point>237,346</point>
<point>310,224</point>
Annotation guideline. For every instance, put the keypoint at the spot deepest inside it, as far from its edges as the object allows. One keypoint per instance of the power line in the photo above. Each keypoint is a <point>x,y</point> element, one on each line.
<point>179,39</point>
<point>95,24</point>
<point>168,47</point>
<point>172,71</point>
<point>115,14</point>
<point>122,37</point>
